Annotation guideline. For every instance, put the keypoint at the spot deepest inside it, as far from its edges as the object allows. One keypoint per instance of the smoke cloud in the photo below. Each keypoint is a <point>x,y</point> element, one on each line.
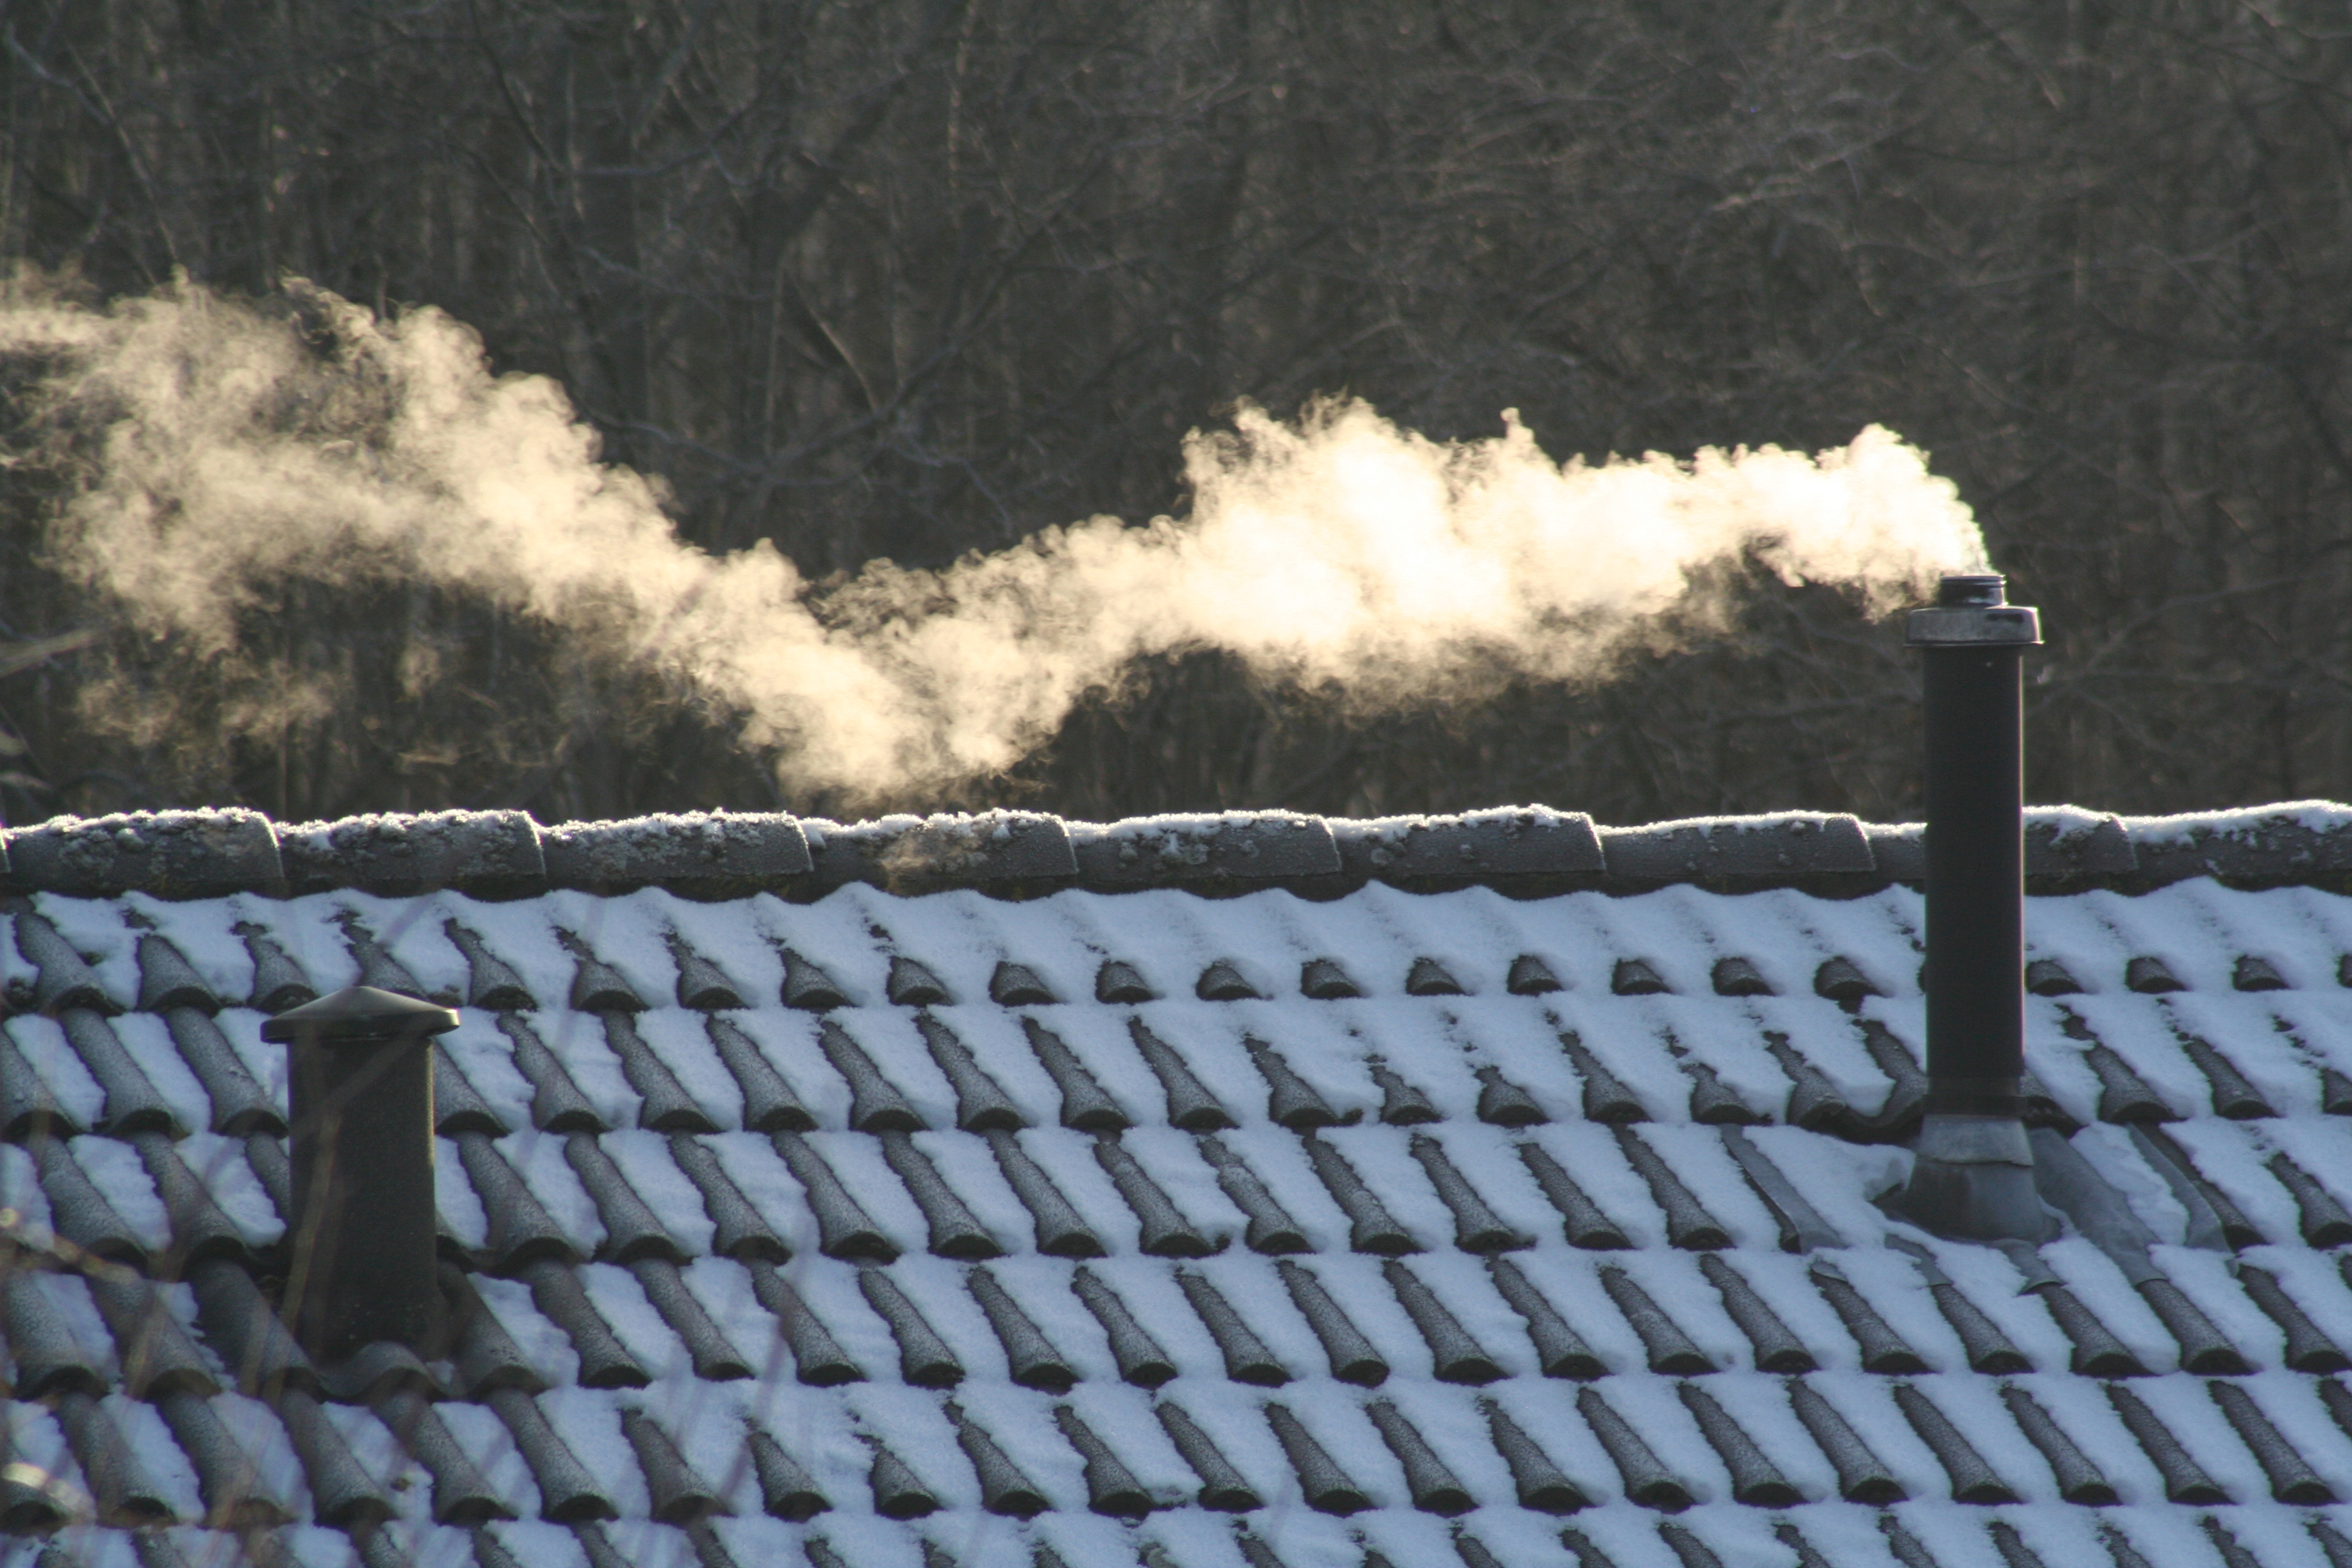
<point>214,449</point>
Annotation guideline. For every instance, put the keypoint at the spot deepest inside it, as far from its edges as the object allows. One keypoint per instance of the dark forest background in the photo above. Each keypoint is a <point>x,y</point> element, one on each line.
<point>910,277</point>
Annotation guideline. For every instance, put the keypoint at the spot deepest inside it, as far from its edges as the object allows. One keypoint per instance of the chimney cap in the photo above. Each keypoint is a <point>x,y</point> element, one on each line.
<point>1972,609</point>
<point>1972,591</point>
<point>360,1013</point>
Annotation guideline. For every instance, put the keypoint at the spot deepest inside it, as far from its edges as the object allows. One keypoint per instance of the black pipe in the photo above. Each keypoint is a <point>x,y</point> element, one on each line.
<point>1973,1176</point>
<point>361,1235</point>
<point>1975,713</point>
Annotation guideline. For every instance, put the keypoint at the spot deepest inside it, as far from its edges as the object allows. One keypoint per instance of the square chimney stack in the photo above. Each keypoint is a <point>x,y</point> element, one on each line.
<point>1973,1179</point>
<point>363,1231</point>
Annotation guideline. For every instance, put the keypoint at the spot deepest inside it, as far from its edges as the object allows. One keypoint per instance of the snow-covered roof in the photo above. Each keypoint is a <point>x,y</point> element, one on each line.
<point>1191,1192</point>
<point>1523,850</point>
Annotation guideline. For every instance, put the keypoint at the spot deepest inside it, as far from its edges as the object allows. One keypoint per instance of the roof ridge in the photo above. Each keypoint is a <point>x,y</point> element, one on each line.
<point>1528,851</point>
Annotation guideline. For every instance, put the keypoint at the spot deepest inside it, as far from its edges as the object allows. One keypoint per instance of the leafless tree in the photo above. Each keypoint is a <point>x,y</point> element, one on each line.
<point>908,278</point>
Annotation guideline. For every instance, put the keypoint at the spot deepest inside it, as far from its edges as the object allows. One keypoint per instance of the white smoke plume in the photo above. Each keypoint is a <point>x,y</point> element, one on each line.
<point>223,448</point>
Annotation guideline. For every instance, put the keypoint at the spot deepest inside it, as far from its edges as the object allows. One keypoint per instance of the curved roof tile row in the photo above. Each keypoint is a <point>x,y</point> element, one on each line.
<point>902,1229</point>
<point>1529,850</point>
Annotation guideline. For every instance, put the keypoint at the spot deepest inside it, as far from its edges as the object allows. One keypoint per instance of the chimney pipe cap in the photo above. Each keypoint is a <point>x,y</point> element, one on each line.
<point>1972,590</point>
<point>1972,609</point>
<point>359,1015</point>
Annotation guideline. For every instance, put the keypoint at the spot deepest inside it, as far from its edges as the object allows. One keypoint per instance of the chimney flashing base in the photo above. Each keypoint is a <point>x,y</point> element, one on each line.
<point>1973,1181</point>
<point>1951,1138</point>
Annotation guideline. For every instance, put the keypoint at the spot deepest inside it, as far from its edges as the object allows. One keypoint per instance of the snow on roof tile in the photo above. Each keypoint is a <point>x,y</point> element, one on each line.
<point>776,1219</point>
<point>1524,850</point>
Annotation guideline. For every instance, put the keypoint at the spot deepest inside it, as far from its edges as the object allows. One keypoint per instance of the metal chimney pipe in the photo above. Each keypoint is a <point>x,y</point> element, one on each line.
<point>1974,1174</point>
<point>363,1231</point>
